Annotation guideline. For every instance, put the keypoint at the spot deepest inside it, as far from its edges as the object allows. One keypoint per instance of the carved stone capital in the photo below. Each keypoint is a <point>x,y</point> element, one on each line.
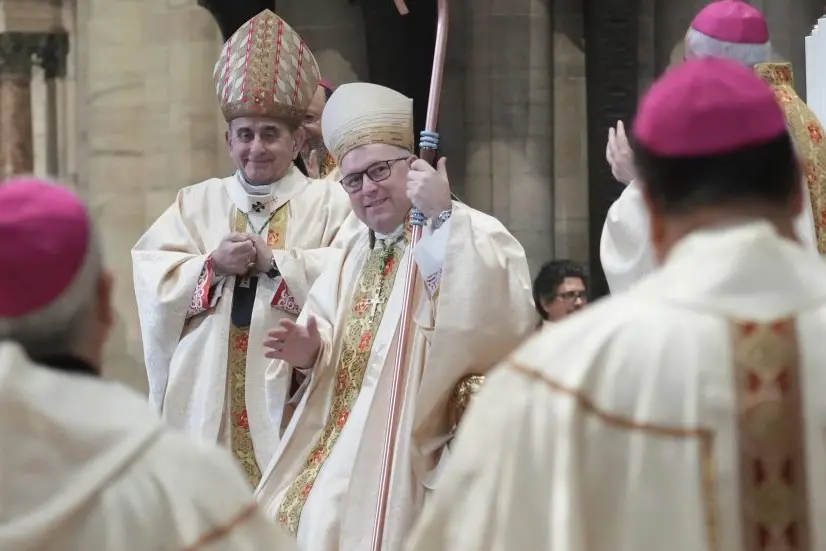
<point>17,51</point>
<point>52,54</point>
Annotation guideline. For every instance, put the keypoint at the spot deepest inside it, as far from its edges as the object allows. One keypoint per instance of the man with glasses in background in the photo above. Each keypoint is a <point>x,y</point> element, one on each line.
<point>472,306</point>
<point>560,289</point>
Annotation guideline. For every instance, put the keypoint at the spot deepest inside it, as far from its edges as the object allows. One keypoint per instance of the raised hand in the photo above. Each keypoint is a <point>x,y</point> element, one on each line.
<point>298,345</point>
<point>619,155</point>
<point>428,188</point>
<point>235,255</point>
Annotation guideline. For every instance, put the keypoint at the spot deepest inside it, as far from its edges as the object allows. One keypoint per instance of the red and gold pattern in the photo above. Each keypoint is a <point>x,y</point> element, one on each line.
<point>240,439</point>
<point>265,69</point>
<point>327,166</point>
<point>366,312</point>
<point>200,297</point>
<point>808,135</point>
<point>774,503</point>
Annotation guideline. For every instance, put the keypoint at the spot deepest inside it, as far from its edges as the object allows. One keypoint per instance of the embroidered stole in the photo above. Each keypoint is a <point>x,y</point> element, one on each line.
<point>366,311</point>
<point>240,438</point>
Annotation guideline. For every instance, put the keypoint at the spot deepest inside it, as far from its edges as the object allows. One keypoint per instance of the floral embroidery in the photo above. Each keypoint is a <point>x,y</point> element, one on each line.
<point>771,437</point>
<point>342,419</point>
<point>284,300</point>
<point>343,380</point>
<point>200,297</point>
<point>783,96</point>
<point>240,437</point>
<point>365,342</point>
<point>432,282</point>
<point>371,294</point>
<point>361,307</point>
<point>815,131</point>
<point>808,136</point>
<point>241,342</point>
<point>389,266</point>
<point>242,420</point>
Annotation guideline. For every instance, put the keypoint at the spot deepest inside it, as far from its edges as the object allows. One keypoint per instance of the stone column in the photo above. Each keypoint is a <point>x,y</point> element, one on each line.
<point>16,142</point>
<point>508,117</point>
<point>52,57</point>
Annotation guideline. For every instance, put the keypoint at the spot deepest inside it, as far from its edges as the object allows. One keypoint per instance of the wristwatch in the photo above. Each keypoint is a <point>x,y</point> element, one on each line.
<point>273,272</point>
<point>443,217</point>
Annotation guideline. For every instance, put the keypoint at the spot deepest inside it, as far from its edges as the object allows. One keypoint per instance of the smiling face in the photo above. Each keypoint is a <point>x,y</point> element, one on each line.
<point>263,148</point>
<point>381,205</point>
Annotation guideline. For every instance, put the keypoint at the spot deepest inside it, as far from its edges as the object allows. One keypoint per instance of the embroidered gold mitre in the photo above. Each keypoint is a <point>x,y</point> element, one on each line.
<point>265,70</point>
<point>360,113</point>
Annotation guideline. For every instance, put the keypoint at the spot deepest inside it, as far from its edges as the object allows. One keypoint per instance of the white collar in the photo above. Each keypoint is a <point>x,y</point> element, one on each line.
<point>746,269</point>
<point>279,192</point>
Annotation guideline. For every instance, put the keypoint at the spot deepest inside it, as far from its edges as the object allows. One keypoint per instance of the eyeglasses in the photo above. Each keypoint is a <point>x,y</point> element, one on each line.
<point>571,296</point>
<point>377,172</point>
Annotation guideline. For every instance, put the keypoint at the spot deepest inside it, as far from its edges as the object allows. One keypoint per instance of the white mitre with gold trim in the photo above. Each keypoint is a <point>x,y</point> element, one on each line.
<point>360,113</point>
<point>265,70</point>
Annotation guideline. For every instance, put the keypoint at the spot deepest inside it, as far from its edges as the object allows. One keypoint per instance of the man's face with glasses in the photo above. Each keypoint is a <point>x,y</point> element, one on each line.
<point>375,178</point>
<point>570,296</point>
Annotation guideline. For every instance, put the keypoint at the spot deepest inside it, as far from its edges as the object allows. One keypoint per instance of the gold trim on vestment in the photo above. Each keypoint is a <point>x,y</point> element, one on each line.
<point>366,311</point>
<point>809,139</point>
<point>240,437</point>
<point>774,501</point>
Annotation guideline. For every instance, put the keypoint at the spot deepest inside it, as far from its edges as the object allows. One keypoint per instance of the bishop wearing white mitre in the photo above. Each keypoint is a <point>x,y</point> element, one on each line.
<point>472,306</point>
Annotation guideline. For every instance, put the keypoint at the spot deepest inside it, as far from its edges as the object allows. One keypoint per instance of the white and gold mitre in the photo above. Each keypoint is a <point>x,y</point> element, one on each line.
<point>265,70</point>
<point>360,113</point>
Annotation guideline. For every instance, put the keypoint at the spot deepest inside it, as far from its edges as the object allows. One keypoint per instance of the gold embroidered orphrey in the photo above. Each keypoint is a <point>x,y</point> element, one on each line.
<point>240,438</point>
<point>808,136</point>
<point>366,311</point>
<point>774,500</point>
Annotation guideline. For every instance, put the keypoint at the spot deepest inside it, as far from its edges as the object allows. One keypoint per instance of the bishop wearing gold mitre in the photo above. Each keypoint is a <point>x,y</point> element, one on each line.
<point>223,263</point>
<point>472,306</point>
<point>735,30</point>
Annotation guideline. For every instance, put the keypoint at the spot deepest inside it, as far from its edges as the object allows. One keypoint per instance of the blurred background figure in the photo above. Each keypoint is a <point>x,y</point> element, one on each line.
<point>560,289</point>
<point>317,160</point>
<point>85,463</point>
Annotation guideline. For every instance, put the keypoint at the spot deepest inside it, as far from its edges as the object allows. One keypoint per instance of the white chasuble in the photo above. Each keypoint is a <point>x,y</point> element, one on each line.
<point>88,466</point>
<point>205,367</point>
<point>625,250</point>
<point>684,415</point>
<point>472,306</point>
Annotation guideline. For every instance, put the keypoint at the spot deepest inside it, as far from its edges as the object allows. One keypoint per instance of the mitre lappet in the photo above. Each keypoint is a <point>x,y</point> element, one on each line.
<point>266,70</point>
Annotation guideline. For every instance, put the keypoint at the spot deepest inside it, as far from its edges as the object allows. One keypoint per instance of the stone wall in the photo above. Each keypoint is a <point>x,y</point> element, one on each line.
<point>141,121</point>
<point>138,117</point>
<point>146,123</point>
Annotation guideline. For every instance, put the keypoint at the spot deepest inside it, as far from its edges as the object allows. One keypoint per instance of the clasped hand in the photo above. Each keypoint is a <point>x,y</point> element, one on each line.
<point>238,253</point>
<point>298,345</point>
<point>428,188</point>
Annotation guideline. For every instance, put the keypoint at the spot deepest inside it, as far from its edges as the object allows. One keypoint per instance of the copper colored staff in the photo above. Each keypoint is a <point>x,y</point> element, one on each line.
<point>427,149</point>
